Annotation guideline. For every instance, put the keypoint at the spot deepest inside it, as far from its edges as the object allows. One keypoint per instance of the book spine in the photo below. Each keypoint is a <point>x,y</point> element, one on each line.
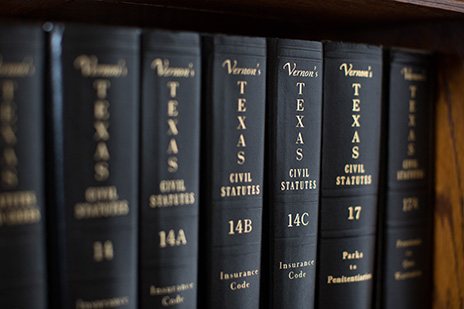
<point>22,190</point>
<point>94,159</point>
<point>169,169</point>
<point>294,116</point>
<point>407,240</point>
<point>234,110</point>
<point>349,174</point>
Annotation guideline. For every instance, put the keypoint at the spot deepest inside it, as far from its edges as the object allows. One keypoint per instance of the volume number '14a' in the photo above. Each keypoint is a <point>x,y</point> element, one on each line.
<point>298,220</point>
<point>172,239</point>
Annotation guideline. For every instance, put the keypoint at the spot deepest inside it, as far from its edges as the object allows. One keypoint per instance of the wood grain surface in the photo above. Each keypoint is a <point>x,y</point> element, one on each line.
<point>449,185</point>
<point>319,14</point>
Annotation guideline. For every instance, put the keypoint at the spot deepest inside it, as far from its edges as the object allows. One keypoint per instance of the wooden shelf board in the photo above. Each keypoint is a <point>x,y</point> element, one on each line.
<point>450,5</point>
<point>449,188</point>
<point>316,12</point>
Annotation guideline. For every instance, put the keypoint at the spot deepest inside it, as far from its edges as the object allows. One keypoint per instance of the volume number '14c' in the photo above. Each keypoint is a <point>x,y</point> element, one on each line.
<point>298,219</point>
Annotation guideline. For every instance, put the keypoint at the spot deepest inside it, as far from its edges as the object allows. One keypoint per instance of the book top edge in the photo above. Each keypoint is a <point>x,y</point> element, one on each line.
<point>402,55</point>
<point>181,42</point>
<point>297,48</point>
<point>235,40</point>
<point>357,51</point>
<point>77,37</point>
<point>21,34</point>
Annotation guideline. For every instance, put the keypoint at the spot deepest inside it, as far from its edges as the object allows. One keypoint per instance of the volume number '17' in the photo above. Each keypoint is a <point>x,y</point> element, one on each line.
<point>354,212</point>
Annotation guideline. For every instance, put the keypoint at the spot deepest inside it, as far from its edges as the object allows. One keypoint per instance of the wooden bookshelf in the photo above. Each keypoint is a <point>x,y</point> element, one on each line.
<point>437,25</point>
<point>449,185</point>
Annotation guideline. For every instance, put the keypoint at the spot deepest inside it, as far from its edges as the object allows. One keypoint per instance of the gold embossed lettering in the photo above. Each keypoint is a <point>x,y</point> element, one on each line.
<point>8,121</point>
<point>101,116</point>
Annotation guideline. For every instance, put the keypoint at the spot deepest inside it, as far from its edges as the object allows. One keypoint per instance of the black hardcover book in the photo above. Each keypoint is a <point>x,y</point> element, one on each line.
<point>293,147</point>
<point>407,239</point>
<point>169,169</point>
<point>232,171</point>
<point>22,190</point>
<point>349,174</point>
<point>94,159</point>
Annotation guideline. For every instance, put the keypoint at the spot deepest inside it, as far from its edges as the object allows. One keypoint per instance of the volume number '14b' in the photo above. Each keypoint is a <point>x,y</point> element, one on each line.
<point>242,227</point>
<point>298,219</point>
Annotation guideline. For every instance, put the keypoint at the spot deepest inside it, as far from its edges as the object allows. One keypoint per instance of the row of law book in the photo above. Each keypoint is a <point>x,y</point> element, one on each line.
<point>146,168</point>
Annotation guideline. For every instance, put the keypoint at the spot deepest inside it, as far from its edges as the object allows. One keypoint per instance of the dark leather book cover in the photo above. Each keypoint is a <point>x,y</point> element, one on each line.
<point>22,178</point>
<point>293,147</point>
<point>232,171</point>
<point>93,164</point>
<point>349,174</point>
<point>406,271</point>
<point>170,161</point>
